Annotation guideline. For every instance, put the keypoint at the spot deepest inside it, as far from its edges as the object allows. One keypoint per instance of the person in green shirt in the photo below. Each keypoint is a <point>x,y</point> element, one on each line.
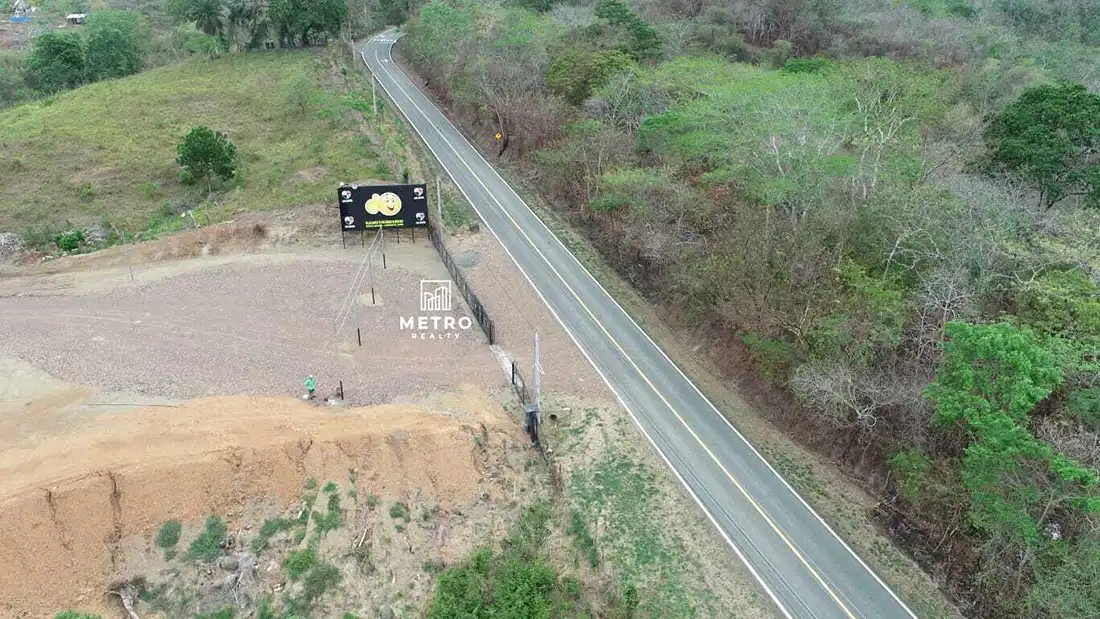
<point>311,386</point>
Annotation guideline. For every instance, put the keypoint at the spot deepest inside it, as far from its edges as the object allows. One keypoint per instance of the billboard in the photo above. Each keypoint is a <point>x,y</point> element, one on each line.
<point>367,207</point>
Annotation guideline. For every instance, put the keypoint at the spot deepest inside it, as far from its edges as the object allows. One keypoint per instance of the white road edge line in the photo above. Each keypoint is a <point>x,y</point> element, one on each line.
<point>744,560</point>
<point>662,352</point>
<point>825,586</point>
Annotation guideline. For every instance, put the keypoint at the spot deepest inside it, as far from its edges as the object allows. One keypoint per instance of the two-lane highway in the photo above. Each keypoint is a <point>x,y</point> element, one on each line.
<point>805,568</point>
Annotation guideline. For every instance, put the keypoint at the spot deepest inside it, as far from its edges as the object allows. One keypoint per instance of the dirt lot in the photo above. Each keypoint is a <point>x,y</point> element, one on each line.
<point>101,440</point>
<point>243,324</point>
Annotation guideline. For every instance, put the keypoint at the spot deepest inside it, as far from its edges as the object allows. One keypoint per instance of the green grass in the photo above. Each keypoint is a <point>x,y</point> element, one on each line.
<point>269,529</point>
<point>633,538</point>
<point>321,578</point>
<point>107,151</point>
<point>299,562</point>
<point>169,534</point>
<point>331,519</point>
<point>399,511</point>
<point>207,546</point>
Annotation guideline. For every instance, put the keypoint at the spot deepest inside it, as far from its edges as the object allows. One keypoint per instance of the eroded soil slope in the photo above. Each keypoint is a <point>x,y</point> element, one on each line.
<point>70,502</point>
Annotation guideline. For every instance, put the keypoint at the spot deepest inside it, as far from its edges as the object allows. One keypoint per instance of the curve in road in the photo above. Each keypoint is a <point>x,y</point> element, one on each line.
<point>806,569</point>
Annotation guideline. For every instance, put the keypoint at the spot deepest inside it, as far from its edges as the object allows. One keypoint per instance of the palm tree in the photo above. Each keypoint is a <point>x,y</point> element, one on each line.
<point>210,16</point>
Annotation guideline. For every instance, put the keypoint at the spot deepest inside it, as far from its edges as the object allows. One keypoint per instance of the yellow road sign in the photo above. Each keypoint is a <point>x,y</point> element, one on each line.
<point>499,135</point>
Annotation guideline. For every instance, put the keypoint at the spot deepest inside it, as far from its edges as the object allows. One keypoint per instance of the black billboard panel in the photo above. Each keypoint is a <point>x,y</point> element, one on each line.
<point>367,207</point>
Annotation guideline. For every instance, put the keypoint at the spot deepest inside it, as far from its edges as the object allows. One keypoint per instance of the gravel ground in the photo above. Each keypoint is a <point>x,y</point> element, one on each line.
<point>518,312</point>
<point>242,328</point>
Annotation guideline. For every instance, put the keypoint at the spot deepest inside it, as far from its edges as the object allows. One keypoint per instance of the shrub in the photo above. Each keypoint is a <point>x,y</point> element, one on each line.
<point>169,534</point>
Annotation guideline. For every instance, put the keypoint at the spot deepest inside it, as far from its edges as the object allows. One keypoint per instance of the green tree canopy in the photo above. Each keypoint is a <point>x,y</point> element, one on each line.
<point>296,21</point>
<point>209,16</point>
<point>1049,137</point>
<point>577,72</point>
<point>117,44</point>
<point>645,43</point>
<point>56,62</point>
<point>205,153</point>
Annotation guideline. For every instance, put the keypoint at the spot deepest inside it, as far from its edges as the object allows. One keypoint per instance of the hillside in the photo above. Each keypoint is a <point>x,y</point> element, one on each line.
<point>104,154</point>
<point>878,219</point>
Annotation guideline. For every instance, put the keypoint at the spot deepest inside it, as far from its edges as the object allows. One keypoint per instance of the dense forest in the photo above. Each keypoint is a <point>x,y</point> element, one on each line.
<point>889,207</point>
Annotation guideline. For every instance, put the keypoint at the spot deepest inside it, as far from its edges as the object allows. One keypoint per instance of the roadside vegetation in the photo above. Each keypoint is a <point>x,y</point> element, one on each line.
<point>888,209</point>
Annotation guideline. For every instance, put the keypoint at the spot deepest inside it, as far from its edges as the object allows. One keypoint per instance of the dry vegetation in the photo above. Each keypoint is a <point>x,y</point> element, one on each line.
<point>825,198</point>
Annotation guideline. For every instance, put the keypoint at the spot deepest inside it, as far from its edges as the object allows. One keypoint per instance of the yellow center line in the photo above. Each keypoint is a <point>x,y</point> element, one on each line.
<point>836,598</point>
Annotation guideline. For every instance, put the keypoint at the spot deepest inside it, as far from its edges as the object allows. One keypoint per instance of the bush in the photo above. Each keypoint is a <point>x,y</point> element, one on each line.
<point>299,562</point>
<point>56,62</point>
<point>169,534</point>
<point>69,240</point>
<point>208,545</point>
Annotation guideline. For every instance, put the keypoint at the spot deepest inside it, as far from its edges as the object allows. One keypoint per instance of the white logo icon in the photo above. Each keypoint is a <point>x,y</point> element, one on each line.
<point>419,191</point>
<point>349,221</point>
<point>420,216</point>
<point>435,295</point>
<point>345,195</point>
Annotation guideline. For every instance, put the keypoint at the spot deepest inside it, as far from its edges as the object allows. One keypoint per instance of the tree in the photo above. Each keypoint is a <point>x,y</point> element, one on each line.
<point>393,12</point>
<point>1050,138</point>
<point>645,43</point>
<point>990,379</point>
<point>205,154</point>
<point>209,16</point>
<point>298,21</point>
<point>117,44</point>
<point>576,73</point>
<point>56,62</point>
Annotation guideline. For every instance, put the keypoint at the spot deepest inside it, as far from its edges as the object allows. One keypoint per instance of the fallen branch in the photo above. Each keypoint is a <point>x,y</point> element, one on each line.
<point>127,593</point>
<point>362,538</point>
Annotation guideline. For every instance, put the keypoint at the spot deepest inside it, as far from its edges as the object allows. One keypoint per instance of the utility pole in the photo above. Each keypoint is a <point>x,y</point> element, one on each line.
<point>439,200</point>
<point>536,372</point>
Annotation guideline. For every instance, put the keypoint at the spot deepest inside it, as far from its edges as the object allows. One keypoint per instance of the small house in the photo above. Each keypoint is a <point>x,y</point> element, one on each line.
<point>76,19</point>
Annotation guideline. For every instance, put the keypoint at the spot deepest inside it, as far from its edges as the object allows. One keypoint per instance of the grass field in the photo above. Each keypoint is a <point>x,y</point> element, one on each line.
<point>105,154</point>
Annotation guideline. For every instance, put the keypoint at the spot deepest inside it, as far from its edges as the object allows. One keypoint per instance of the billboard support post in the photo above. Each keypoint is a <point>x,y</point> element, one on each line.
<point>439,199</point>
<point>373,96</point>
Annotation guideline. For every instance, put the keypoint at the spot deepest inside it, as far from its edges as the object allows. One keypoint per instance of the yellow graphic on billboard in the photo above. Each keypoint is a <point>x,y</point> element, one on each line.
<point>388,204</point>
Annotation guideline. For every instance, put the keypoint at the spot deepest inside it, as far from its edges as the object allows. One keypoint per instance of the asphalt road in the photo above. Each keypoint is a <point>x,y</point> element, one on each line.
<point>803,566</point>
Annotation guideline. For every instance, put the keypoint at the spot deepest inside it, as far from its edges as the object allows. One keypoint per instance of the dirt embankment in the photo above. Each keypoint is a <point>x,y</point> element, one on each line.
<point>69,503</point>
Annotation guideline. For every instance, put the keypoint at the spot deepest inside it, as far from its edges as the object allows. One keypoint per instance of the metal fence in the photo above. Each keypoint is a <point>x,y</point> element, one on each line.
<point>519,384</point>
<point>480,314</point>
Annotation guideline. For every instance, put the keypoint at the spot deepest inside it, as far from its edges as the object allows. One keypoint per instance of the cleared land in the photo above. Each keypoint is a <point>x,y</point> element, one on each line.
<point>92,450</point>
<point>105,154</point>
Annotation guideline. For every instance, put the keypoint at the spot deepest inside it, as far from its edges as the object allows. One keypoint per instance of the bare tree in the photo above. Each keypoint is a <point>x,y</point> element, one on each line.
<point>844,396</point>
